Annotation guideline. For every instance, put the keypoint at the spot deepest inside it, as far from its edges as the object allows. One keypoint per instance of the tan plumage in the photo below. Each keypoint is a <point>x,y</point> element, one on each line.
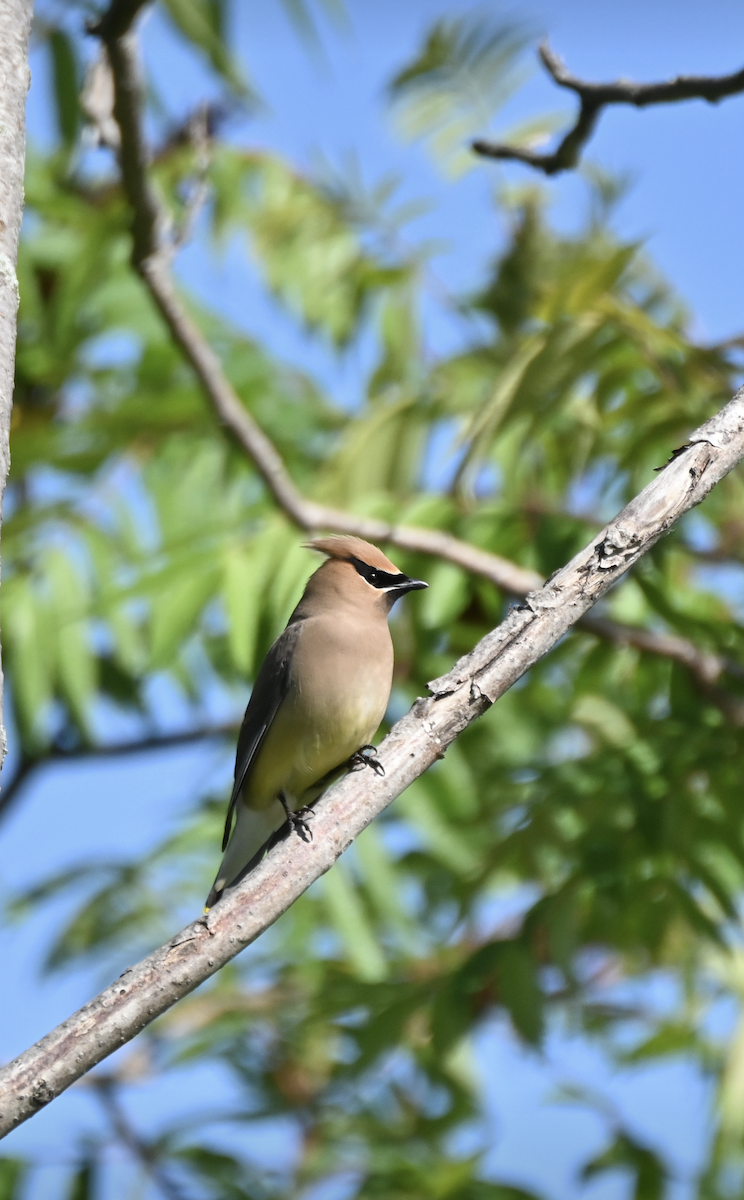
<point>320,695</point>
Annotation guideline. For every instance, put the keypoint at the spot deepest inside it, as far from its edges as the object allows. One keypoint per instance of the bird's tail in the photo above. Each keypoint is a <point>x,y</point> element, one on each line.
<point>253,829</point>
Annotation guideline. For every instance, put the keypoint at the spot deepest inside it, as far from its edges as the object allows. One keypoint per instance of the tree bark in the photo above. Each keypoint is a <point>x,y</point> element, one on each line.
<point>15,28</point>
<point>530,630</point>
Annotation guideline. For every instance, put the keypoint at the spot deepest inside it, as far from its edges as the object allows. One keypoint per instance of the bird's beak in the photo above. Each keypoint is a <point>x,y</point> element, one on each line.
<point>411,585</point>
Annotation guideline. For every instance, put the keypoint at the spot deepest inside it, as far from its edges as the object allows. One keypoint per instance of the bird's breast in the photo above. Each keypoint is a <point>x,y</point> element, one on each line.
<point>339,689</point>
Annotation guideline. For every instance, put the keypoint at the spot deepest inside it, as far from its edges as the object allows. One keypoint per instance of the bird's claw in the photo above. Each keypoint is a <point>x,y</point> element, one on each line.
<point>366,757</point>
<point>299,823</point>
<point>297,819</point>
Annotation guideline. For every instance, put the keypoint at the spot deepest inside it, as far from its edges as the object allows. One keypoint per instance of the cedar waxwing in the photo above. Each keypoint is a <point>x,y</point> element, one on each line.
<point>319,698</point>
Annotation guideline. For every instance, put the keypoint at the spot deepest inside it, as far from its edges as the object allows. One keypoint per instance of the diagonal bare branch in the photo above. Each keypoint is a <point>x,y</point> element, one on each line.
<point>531,629</point>
<point>593,97</point>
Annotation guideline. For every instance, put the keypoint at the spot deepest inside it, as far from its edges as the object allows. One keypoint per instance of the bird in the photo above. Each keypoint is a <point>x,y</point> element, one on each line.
<point>317,701</point>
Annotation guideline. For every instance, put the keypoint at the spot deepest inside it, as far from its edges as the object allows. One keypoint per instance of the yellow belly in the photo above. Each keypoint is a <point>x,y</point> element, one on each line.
<point>301,747</point>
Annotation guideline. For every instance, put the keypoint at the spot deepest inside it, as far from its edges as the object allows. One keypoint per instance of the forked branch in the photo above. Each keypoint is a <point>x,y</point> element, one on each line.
<point>593,97</point>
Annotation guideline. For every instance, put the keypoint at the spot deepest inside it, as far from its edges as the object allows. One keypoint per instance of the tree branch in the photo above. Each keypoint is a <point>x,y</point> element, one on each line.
<point>158,741</point>
<point>151,256</point>
<point>594,97</point>
<point>531,629</point>
<point>15,23</point>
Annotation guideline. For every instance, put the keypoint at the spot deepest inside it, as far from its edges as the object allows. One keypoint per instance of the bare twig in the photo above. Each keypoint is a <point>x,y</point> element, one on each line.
<point>159,741</point>
<point>531,629</point>
<point>594,97</point>
<point>624,91</point>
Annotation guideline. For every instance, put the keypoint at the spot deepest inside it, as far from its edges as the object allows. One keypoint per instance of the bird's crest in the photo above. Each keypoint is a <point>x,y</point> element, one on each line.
<point>346,548</point>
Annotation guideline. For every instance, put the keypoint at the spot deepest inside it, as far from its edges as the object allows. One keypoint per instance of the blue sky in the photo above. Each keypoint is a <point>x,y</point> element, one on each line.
<point>687,167</point>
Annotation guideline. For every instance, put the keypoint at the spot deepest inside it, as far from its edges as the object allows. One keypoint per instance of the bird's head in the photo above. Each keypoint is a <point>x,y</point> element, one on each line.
<point>360,571</point>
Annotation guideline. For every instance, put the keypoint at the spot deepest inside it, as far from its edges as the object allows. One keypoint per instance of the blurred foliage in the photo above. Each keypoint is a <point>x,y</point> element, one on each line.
<point>467,69</point>
<point>582,840</point>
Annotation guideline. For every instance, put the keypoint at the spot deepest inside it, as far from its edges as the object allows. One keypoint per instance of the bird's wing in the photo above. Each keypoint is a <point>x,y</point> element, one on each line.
<point>268,692</point>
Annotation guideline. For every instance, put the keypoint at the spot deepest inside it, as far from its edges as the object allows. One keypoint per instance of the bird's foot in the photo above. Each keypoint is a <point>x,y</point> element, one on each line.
<point>298,820</point>
<point>366,757</point>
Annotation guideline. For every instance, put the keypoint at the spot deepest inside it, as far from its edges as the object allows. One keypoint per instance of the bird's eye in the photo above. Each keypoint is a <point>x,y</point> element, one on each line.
<point>372,577</point>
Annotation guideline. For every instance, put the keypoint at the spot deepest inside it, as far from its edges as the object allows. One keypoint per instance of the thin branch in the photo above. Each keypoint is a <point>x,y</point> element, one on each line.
<point>160,741</point>
<point>624,91</point>
<point>707,667</point>
<point>564,157</point>
<point>532,628</point>
<point>594,97</point>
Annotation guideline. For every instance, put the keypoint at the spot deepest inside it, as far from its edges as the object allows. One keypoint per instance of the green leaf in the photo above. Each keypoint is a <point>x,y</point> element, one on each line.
<point>441,838</point>
<point>383,885</point>
<point>446,597</point>
<point>519,989</point>
<point>176,613</point>
<point>66,79</point>
<point>30,648</point>
<point>76,670</point>
<point>467,69</point>
<point>82,1184</point>
<point>650,1175</point>
<point>350,919</point>
<point>12,1176</point>
<point>242,591</point>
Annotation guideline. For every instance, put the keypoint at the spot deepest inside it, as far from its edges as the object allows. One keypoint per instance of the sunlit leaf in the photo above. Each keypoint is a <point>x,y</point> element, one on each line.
<point>468,68</point>
<point>348,916</point>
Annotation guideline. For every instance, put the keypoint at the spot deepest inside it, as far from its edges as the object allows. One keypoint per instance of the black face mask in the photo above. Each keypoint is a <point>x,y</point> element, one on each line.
<point>393,582</point>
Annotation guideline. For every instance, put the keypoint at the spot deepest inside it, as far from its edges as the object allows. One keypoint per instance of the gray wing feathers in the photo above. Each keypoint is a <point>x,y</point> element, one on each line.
<point>270,688</point>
